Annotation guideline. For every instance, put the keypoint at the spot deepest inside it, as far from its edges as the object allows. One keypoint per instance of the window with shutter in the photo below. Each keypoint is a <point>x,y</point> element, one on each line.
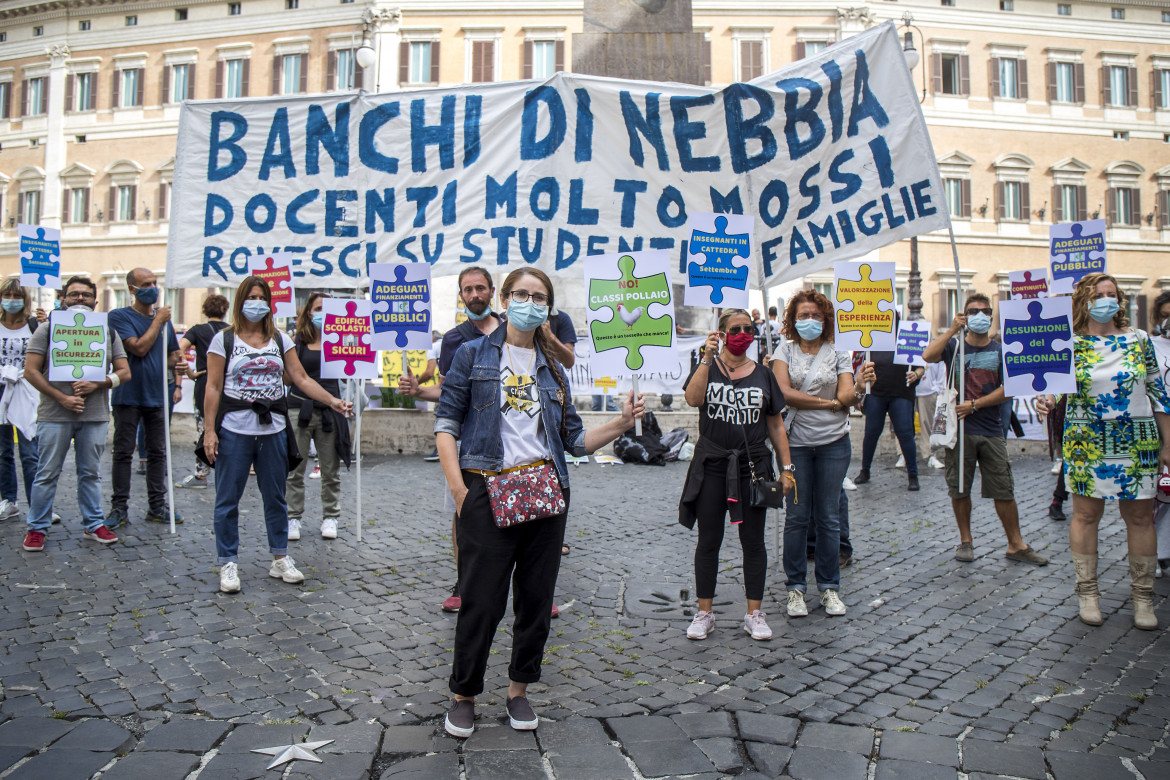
<point>1082,203</point>
<point>163,200</point>
<point>1079,82</point>
<point>69,92</point>
<point>1131,80</point>
<point>331,72</point>
<point>303,67</point>
<point>559,54</point>
<point>965,212</point>
<point>219,68</point>
<point>706,55</point>
<point>1022,78</point>
<point>166,86</point>
<point>1164,208</point>
<point>995,74</point>
<point>6,100</point>
<point>936,74</point>
<point>483,55</point>
<point>434,54</point>
<point>139,87</point>
<point>751,60</point>
<point>404,55</point>
<point>964,75</point>
<point>1111,206</point>
<point>65,198</point>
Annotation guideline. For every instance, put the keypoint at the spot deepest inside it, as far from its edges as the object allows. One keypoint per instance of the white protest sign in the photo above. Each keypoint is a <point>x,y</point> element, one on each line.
<point>1037,346</point>
<point>830,154</point>
<point>630,313</point>
<point>276,269</point>
<point>40,256</point>
<point>1075,249</point>
<point>345,340</point>
<point>1023,285</point>
<point>719,260</point>
<point>863,305</point>
<point>913,336</point>
<point>77,345</point>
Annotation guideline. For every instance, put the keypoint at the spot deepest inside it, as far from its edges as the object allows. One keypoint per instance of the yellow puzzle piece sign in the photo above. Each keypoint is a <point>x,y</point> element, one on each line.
<point>392,366</point>
<point>860,291</point>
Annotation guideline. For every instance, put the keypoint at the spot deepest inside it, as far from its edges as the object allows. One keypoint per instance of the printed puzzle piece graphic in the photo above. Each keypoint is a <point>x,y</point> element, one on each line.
<point>277,271</point>
<point>401,306</point>
<point>718,270</point>
<point>860,306</point>
<point>1030,347</point>
<point>1076,254</point>
<point>77,349</point>
<point>40,257</point>
<point>1031,284</point>
<point>912,340</point>
<point>631,325</point>
<point>346,339</point>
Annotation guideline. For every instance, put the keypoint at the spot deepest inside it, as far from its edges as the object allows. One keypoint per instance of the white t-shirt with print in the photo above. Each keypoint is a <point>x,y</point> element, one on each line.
<point>816,427</point>
<point>252,374</point>
<point>14,345</point>
<point>520,424</point>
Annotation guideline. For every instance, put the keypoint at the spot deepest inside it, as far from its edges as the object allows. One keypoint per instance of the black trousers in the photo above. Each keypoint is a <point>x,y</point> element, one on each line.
<point>528,555</point>
<point>712,519</point>
<point>126,420</point>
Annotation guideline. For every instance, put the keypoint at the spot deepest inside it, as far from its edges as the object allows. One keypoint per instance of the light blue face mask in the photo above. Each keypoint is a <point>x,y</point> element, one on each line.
<point>255,311</point>
<point>809,330</point>
<point>319,318</point>
<point>979,323</point>
<point>527,316</point>
<point>1104,309</point>
<point>12,305</point>
<point>473,316</point>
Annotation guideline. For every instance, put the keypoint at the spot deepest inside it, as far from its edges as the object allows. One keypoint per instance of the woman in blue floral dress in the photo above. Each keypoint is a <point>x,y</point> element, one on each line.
<point>1116,440</point>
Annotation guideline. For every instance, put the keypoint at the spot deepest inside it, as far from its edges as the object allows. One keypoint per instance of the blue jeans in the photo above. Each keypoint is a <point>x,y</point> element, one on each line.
<point>89,442</point>
<point>901,411</point>
<point>846,543</point>
<point>816,500</point>
<point>28,463</point>
<point>237,454</point>
<point>607,400</point>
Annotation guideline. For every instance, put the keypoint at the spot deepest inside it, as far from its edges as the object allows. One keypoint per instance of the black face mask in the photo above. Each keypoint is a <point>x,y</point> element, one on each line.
<point>1162,329</point>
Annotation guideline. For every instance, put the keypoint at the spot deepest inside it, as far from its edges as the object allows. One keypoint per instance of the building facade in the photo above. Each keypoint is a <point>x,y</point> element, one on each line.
<point>1039,111</point>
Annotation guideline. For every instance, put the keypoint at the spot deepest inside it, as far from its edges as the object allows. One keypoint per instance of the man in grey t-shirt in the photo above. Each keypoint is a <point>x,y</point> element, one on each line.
<point>71,412</point>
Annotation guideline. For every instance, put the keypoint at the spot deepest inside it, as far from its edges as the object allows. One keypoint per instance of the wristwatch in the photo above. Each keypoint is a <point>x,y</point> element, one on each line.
<point>790,468</point>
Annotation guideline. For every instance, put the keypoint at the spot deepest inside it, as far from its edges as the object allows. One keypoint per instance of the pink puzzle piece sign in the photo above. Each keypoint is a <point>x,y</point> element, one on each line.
<point>276,269</point>
<point>1028,284</point>
<point>345,340</point>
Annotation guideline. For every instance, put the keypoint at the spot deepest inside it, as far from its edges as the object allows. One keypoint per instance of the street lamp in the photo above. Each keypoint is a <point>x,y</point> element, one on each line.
<point>914,281</point>
<point>366,56</point>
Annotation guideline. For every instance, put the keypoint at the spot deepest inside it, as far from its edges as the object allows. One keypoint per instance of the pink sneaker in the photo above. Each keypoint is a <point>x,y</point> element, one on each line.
<point>101,534</point>
<point>452,603</point>
<point>703,624</point>
<point>556,612</point>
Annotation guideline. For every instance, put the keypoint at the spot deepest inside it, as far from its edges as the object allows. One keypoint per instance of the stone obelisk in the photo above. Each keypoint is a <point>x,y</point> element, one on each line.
<point>639,39</point>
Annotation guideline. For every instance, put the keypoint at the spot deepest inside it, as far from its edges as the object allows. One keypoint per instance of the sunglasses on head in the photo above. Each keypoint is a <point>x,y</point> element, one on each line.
<point>737,329</point>
<point>971,312</point>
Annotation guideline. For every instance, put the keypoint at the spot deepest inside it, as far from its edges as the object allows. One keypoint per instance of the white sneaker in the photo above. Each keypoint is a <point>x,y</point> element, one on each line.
<point>285,569</point>
<point>755,625</point>
<point>315,473</point>
<point>8,509</point>
<point>1057,465</point>
<point>796,606</point>
<point>229,577</point>
<point>329,528</point>
<point>832,603</point>
<point>703,624</point>
<point>847,484</point>
<point>901,464</point>
<point>56,518</point>
<point>294,529</point>
<point>935,463</point>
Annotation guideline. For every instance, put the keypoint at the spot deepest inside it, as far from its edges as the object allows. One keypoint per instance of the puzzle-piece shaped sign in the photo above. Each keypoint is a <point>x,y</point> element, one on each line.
<point>718,240</point>
<point>631,315</point>
<point>40,256</point>
<point>1037,346</point>
<point>913,336</point>
<point>864,298</point>
<point>77,346</point>
<point>1076,249</point>
<point>401,295</point>
<point>346,352</point>
<point>276,269</point>
<point>1026,285</point>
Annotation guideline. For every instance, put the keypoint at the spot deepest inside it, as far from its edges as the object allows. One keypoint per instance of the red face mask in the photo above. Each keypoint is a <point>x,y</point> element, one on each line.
<point>738,343</point>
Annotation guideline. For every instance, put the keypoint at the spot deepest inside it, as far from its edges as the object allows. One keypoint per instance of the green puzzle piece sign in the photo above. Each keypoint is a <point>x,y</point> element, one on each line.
<point>78,352</point>
<point>631,326</point>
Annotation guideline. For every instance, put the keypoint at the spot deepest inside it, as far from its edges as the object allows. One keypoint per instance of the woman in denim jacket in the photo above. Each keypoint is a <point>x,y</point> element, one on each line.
<point>508,402</point>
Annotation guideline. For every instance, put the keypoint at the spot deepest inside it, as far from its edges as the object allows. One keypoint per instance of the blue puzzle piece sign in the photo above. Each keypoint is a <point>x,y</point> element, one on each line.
<point>401,295</point>
<point>1037,346</point>
<point>713,275</point>
<point>1076,250</point>
<point>912,340</point>
<point>40,256</point>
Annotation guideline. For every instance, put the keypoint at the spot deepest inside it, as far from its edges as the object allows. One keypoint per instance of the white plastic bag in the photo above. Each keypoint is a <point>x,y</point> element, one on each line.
<point>944,431</point>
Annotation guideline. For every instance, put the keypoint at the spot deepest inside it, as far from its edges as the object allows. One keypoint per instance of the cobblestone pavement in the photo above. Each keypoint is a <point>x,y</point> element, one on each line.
<point>126,662</point>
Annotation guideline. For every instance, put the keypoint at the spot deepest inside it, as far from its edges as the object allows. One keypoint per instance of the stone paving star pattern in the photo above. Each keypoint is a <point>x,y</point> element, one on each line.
<point>126,661</point>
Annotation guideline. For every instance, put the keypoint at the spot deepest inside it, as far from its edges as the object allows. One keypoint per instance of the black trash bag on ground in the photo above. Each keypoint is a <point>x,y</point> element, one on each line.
<point>647,448</point>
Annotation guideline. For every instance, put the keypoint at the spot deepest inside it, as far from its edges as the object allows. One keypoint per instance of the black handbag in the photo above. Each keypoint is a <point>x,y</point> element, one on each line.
<point>762,493</point>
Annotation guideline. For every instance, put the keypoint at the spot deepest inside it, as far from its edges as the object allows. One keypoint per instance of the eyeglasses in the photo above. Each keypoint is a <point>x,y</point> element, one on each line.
<point>973,312</point>
<point>80,295</point>
<point>521,296</point>
<point>737,329</point>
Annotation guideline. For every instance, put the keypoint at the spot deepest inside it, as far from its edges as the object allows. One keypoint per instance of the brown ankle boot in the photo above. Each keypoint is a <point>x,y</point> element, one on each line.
<point>1090,601</point>
<point>1141,589</point>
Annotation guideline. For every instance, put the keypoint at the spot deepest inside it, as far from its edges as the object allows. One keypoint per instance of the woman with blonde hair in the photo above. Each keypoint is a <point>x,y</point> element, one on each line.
<point>17,324</point>
<point>1116,441</point>
<point>503,424</point>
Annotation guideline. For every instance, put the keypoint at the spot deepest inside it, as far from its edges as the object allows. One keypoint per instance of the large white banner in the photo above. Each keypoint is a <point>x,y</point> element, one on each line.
<point>830,154</point>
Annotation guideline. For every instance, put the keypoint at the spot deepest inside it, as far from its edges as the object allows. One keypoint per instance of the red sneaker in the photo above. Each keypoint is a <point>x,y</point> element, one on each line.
<point>34,541</point>
<point>101,534</point>
<point>555,612</point>
<point>452,603</point>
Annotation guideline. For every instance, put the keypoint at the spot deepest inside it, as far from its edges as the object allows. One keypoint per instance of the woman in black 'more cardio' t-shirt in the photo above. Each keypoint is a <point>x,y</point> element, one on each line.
<point>739,412</point>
